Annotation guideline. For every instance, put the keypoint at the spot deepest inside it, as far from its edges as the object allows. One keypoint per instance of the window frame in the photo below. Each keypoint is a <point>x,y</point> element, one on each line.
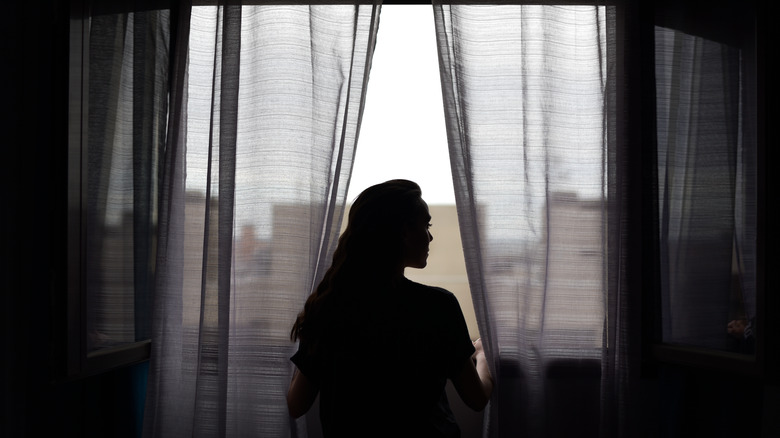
<point>695,19</point>
<point>79,361</point>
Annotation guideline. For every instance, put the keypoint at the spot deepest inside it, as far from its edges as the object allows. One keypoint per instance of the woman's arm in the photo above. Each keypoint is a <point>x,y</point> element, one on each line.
<point>474,382</point>
<point>301,394</point>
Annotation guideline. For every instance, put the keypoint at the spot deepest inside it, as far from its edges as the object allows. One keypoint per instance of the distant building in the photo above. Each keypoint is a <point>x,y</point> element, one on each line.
<point>556,282</point>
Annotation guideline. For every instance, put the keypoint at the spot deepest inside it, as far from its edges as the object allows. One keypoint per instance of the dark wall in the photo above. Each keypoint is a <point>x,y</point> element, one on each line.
<point>703,403</point>
<point>36,397</point>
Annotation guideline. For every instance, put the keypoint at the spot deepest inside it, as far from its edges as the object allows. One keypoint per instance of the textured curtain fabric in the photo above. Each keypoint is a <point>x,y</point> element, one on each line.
<point>706,191</point>
<point>265,112</point>
<point>127,92</point>
<point>529,95</point>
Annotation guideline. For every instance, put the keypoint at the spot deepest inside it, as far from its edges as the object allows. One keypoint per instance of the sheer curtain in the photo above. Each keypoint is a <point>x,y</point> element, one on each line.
<point>128,70</point>
<point>529,95</point>
<point>266,104</point>
<point>706,190</point>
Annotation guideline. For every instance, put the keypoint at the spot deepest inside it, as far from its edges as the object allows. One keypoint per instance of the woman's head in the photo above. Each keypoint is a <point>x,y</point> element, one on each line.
<point>387,231</point>
<point>388,227</point>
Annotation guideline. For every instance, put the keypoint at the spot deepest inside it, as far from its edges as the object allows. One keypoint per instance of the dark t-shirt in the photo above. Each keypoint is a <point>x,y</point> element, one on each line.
<point>381,366</point>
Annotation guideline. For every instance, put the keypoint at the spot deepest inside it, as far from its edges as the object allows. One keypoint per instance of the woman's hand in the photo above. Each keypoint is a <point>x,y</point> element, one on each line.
<point>479,349</point>
<point>737,327</point>
<point>474,383</point>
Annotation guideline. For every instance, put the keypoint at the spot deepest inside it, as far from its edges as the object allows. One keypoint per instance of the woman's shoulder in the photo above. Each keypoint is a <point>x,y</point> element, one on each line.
<point>431,292</point>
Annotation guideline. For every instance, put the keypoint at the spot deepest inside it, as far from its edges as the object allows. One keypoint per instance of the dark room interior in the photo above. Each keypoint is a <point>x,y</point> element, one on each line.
<point>49,388</point>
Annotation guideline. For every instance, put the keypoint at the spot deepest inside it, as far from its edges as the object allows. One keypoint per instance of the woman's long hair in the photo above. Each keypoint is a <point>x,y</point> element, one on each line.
<point>369,251</point>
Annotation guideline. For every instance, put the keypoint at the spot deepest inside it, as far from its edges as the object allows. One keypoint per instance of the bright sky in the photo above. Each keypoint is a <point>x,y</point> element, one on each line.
<point>403,133</point>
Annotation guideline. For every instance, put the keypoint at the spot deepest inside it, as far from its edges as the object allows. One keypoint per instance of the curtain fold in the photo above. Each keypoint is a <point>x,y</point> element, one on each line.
<point>530,105</point>
<point>266,105</point>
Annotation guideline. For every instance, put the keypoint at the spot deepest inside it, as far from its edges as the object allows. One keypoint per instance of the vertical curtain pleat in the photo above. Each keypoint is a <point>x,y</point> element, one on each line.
<point>266,107</point>
<point>169,389</point>
<point>620,347</point>
<point>151,39</point>
<point>214,340</point>
<point>530,104</point>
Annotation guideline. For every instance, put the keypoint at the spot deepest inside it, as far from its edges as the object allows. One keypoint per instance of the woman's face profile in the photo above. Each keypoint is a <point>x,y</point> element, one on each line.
<point>417,237</point>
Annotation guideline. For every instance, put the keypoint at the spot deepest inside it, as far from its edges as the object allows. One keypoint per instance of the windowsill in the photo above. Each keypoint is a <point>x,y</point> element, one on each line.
<point>707,358</point>
<point>100,361</point>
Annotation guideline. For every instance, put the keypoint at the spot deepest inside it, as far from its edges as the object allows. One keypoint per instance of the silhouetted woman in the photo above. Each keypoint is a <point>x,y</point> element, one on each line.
<point>377,347</point>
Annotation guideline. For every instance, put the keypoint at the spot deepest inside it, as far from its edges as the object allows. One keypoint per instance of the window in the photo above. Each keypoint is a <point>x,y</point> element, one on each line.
<point>114,177</point>
<point>117,124</point>
<point>707,188</point>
